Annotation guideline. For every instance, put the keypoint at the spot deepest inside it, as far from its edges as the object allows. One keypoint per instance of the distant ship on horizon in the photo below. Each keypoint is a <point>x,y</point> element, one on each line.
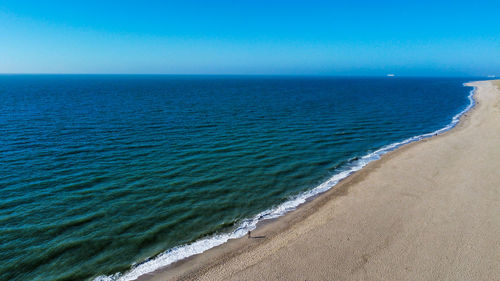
<point>390,75</point>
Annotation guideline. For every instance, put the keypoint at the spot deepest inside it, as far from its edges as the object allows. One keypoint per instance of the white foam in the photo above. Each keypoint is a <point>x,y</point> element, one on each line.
<point>181,252</point>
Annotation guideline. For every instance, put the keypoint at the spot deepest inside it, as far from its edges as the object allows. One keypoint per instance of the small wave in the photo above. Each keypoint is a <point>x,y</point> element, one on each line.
<point>181,252</point>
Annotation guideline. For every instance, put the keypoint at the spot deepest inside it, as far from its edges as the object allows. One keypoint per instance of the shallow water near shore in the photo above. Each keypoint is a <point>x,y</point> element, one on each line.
<point>102,172</point>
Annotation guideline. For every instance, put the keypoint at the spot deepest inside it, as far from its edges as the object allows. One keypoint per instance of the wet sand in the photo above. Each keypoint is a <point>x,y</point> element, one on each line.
<point>427,211</point>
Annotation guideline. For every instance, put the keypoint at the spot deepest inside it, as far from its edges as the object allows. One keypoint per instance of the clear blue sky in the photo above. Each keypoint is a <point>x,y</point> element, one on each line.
<point>357,37</point>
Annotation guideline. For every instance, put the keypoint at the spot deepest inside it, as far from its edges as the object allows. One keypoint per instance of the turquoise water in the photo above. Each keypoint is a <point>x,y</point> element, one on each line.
<point>112,176</point>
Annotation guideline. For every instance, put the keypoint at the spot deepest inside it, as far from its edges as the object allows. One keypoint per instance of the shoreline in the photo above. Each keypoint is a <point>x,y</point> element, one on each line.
<point>196,264</point>
<point>385,222</point>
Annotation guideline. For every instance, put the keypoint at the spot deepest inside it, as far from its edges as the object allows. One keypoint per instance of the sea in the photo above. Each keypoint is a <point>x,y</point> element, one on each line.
<point>108,177</point>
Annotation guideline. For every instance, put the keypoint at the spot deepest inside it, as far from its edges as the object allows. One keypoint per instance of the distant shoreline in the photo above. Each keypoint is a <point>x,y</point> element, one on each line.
<point>196,265</point>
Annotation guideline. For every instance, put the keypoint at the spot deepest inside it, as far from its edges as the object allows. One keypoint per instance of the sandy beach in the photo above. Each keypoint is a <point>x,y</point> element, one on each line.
<point>427,211</point>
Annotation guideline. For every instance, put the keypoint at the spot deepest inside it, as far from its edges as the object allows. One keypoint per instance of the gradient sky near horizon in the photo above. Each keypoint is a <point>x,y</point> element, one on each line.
<point>357,37</point>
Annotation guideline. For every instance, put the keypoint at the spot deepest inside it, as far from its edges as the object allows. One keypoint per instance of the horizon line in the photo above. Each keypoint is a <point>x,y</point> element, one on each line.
<point>246,74</point>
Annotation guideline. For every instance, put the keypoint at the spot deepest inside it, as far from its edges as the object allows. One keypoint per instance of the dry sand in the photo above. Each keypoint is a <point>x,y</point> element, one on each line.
<point>427,211</point>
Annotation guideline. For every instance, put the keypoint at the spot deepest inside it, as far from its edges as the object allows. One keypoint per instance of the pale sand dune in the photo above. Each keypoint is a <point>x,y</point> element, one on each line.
<point>428,211</point>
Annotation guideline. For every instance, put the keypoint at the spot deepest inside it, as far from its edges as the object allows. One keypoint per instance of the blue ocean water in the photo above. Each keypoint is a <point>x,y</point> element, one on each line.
<point>108,177</point>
